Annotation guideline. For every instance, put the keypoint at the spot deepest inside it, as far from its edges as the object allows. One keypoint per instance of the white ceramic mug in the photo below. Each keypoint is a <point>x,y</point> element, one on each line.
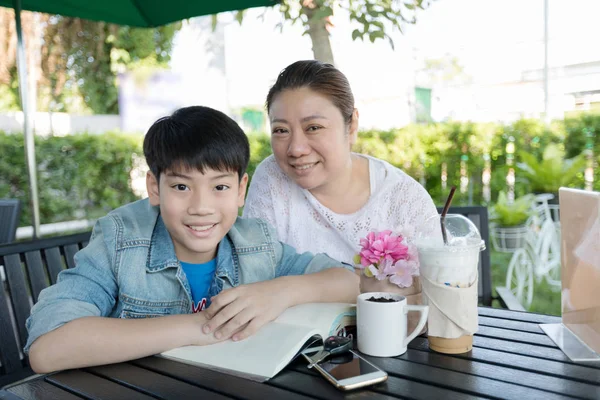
<point>381,327</point>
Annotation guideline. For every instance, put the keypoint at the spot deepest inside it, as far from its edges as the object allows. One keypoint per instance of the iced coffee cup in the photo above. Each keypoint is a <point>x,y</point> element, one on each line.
<point>449,275</point>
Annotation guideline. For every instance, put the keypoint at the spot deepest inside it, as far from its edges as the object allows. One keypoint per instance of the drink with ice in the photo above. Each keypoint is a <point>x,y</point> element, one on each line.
<point>454,264</point>
<point>449,273</point>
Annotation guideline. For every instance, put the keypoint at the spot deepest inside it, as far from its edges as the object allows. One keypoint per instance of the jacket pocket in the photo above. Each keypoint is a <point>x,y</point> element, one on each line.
<point>130,314</point>
<point>151,308</point>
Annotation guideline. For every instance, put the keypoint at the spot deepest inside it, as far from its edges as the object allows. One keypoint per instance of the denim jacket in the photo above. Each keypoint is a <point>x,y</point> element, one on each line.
<point>129,269</point>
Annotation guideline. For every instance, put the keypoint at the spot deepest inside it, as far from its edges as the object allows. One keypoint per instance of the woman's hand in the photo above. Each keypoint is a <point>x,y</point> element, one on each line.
<point>240,312</point>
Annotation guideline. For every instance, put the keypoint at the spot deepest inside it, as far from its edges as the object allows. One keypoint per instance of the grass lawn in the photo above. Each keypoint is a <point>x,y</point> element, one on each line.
<point>546,300</point>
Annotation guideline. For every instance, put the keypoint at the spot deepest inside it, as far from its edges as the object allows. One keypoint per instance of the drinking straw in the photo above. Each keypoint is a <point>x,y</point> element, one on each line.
<point>444,212</point>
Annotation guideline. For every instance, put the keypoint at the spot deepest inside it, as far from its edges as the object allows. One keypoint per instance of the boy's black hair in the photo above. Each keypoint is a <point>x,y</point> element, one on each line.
<point>196,137</point>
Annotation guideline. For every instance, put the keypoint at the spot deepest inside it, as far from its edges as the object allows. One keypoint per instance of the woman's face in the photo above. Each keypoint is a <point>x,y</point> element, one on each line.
<point>310,140</point>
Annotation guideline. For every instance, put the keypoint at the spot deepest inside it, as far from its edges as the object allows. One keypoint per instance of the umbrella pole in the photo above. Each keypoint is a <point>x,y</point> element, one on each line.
<point>27,121</point>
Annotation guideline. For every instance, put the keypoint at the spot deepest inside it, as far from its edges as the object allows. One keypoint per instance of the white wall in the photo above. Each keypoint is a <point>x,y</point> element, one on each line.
<point>60,123</point>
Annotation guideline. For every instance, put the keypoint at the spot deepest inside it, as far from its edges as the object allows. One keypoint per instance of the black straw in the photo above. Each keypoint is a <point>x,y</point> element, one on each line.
<point>444,212</point>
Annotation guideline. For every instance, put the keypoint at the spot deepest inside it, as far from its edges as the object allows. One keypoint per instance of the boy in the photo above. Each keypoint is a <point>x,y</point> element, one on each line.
<point>171,254</point>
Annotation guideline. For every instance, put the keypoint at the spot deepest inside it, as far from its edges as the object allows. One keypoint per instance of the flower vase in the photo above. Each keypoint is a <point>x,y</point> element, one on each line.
<point>412,294</point>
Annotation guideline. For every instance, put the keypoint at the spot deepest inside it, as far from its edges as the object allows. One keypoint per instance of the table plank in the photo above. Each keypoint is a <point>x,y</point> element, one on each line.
<point>40,389</point>
<point>467,383</point>
<point>515,336</point>
<point>575,372</point>
<point>317,387</point>
<point>152,383</point>
<point>527,350</point>
<point>506,346</point>
<point>485,369</point>
<point>518,315</point>
<point>532,327</point>
<point>215,381</point>
<point>393,386</point>
<point>88,385</point>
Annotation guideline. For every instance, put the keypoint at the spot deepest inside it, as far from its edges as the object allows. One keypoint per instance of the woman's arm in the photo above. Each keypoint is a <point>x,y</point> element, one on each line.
<point>92,341</point>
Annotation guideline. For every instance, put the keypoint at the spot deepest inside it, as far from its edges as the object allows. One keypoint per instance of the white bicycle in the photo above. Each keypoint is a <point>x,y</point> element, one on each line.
<point>540,255</point>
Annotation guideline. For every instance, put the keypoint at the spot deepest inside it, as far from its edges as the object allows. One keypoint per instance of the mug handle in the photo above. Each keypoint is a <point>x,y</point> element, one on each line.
<point>424,310</point>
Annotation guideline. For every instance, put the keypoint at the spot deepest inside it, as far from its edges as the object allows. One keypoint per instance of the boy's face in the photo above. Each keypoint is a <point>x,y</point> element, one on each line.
<point>198,209</point>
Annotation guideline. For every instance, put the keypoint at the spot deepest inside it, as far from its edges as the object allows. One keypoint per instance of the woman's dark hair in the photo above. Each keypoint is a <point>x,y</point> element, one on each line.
<point>318,76</point>
<point>196,137</point>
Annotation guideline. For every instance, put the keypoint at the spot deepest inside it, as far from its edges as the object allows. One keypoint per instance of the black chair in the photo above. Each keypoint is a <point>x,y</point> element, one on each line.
<point>25,269</point>
<point>10,211</point>
<point>479,216</point>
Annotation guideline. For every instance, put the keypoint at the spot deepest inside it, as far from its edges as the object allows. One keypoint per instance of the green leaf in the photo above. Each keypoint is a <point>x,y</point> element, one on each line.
<point>391,42</point>
<point>239,16</point>
<point>376,35</point>
<point>372,12</point>
<point>356,34</point>
<point>379,24</point>
<point>514,214</point>
<point>552,171</point>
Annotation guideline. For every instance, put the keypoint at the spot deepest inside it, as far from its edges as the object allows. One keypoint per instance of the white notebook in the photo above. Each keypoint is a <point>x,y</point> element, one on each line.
<point>268,351</point>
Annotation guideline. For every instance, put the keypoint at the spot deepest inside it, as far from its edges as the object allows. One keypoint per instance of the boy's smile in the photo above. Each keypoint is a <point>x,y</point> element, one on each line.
<point>197,208</point>
<point>202,229</point>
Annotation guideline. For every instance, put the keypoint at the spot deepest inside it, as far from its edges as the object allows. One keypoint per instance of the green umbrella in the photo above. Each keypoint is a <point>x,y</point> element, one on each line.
<point>142,13</point>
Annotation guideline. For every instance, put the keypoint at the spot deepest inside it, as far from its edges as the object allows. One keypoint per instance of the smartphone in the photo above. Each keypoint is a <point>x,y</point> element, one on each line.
<point>349,371</point>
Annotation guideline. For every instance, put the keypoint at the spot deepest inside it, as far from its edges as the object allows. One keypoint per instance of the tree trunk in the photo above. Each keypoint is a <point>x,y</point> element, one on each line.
<point>32,33</point>
<point>8,44</point>
<point>317,30</point>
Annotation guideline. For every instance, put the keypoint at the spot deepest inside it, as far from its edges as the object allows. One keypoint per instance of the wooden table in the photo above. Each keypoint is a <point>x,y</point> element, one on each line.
<point>512,358</point>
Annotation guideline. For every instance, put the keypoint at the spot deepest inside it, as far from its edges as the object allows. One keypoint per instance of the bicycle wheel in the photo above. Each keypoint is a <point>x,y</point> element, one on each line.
<point>519,277</point>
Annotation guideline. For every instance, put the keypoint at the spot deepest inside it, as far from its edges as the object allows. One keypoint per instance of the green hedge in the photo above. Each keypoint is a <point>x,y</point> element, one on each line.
<point>420,150</point>
<point>79,176</point>
<point>87,175</point>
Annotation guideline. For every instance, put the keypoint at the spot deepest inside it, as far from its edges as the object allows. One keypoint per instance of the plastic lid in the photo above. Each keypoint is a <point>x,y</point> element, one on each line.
<point>461,234</point>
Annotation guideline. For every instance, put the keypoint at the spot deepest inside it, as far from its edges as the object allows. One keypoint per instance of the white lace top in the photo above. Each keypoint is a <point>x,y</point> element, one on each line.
<point>397,202</point>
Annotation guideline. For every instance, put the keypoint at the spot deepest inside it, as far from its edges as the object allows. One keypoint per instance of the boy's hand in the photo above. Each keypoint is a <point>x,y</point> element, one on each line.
<point>243,310</point>
<point>195,332</point>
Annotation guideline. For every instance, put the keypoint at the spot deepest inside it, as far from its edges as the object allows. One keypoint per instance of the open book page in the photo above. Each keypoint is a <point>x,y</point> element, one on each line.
<point>267,352</point>
<point>328,318</point>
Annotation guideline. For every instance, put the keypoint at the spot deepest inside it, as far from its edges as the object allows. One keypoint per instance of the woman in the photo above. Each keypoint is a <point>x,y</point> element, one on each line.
<point>320,196</point>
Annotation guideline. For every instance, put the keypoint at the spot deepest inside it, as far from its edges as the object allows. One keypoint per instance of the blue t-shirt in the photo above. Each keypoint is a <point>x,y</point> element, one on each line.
<point>200,277</point>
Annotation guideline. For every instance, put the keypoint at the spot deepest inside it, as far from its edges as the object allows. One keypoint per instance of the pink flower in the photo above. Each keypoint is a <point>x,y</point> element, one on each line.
<point>385,255</point>
<point>381,246</point>
<point>402,272</point>
<point>377,273</point>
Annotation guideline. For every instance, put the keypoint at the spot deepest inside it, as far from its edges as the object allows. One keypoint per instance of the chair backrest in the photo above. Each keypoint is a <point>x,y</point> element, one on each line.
<point>10,211</point>
<point>25,269</point>
<point>479,216</point>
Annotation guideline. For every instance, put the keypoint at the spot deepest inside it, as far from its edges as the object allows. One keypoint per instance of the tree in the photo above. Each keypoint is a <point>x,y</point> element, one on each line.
<point>9,84</point>
<point>371,15</point>
<point>80,59</point>
<point>85,57</point>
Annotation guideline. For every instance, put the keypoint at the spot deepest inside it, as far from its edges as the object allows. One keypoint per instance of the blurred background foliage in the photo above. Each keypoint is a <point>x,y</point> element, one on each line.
<point>76,62</point>
<point>85,176</point>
